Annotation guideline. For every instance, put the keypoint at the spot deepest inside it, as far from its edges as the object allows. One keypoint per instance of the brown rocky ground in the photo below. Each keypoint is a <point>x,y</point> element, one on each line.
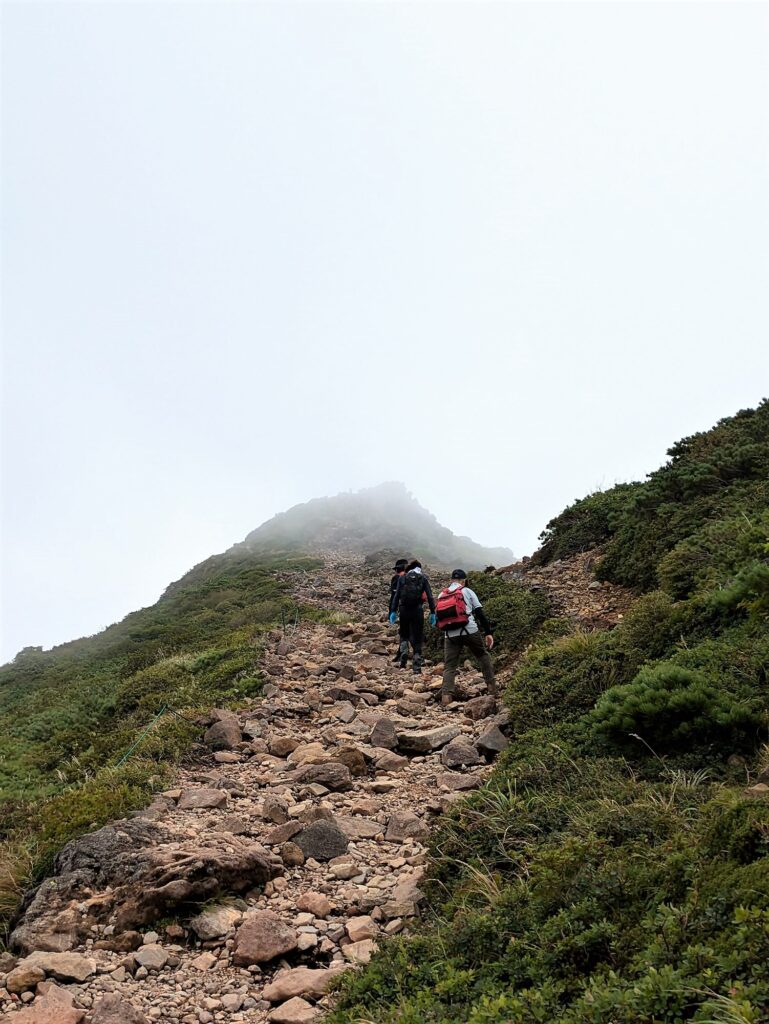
<point>291,849</point>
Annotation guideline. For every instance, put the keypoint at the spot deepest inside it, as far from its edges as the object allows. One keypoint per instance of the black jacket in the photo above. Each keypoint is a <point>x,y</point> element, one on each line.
<point>426,591</point>
<point>393,587</point>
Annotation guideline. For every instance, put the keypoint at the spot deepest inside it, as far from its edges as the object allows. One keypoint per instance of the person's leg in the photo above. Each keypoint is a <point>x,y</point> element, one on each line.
<point>403,646</point>
<point>476,644</point>
<point>417,637</point>
<point>452,648</point>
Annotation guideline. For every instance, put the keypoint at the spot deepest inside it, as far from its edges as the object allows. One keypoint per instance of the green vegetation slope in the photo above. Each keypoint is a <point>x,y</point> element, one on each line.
<point>67,716</point>
<point>615,870</point>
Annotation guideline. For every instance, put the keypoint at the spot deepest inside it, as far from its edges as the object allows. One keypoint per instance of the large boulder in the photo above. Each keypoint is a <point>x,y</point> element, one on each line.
<point>67,967</point>
<point>138,872</point>
<point>262,937</point>
<point>492,742</point>
<point>53,1006</point>
<point>384,734</point>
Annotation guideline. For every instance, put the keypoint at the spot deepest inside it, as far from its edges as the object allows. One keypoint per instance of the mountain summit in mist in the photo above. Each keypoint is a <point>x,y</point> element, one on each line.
<point>377,518</point>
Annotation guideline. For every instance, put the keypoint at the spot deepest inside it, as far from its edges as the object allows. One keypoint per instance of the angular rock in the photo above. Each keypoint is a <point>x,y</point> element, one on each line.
<point>322,840</point>
<point>152,956</point>
<point>224,735</point>
<point>459,753</point>
<point>353,759</point>
<point>384,734</point>
<point>54,1006</point>
<point>389,761</point>
<point>360,952</point>
<point>455,782</point>
<point>404,825</point>
<point>282,746</point>
<point>67,967</point>
<point>214,922</point>
<point>308,753</point>
<point>423,741</point>
<point>295,1011</point>
<point>298,981</point>
<point>333,775</point>
<point>202,798</point>
<point>114,1009</point>
<point>23,978</point>
<point>480,707</point>
<point>361,928</point>
<point>315,903</point>
<point>492,742</point>
<point>283,833</point>
<point>261,937</point>
<point>275,809</point>
<point>358,828</point>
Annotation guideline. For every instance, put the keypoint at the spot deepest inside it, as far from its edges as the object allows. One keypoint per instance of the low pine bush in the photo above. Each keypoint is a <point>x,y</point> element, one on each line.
<point>672,709</point>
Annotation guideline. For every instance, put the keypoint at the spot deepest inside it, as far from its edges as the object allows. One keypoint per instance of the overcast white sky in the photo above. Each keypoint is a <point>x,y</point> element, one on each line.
<point>254,253</point>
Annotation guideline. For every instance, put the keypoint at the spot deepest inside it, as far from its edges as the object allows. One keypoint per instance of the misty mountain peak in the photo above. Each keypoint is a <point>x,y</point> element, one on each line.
<point>387,516</point>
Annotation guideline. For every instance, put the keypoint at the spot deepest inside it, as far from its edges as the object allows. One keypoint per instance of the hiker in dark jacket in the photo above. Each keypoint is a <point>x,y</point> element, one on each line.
<point>400,571</point>
<point>412,591</point>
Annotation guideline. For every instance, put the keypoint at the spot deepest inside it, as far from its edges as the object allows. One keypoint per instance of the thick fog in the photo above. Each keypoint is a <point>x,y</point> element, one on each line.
<point>255,253</point>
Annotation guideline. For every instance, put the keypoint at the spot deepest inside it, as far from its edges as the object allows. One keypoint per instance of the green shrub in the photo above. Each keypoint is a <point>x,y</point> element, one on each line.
<point>673,708</point>
<point>561,682</point>
<point>583,525</point>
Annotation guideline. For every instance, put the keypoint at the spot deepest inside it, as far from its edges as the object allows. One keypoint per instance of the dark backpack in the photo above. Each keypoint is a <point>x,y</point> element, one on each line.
<point>412,585</point>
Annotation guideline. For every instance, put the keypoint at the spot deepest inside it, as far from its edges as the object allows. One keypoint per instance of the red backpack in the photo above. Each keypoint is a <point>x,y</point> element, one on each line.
<point>451,610</point>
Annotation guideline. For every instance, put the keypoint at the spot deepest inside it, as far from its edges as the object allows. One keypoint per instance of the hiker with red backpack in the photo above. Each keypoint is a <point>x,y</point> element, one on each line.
<point>412,592</point>
<point>458,614</point>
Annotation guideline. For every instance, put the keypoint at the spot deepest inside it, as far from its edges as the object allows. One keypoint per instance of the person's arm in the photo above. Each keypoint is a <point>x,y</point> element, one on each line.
<point>430,598</point>
<point>396,598</point>
<point>482,620</point>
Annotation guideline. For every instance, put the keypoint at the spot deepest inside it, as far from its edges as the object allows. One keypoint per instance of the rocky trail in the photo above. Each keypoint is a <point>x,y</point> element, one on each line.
<point>288,851</point>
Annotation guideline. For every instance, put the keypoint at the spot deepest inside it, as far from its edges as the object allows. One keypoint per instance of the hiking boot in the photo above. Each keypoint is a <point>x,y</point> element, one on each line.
<point>447,699</point>
<point>403,660</point>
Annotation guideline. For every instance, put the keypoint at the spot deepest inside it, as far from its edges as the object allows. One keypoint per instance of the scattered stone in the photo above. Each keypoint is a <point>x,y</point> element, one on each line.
<point>202,798</point>
<point>295,1011</point>
<point>353,758</point>
<point>459,753</point>
<point>292,855</point>
<point>315,903</point>
<point>361,928</point>
<point>261,937</point>
<point>283,833</point>
<point>360,952</point>
<point>113,1009</point>
<point>384,734</point>
<point>224,735</point>
<point>23,978</point>
<point>322,840</point>
<point>66,967</point>
<point>480,707</point>
<point>53,1006</point>
<point>404,825</point>
<point>389,761</point>
<point>153,957</point>
<point>333,775</point>
<point>213,922</point>
<point>492,742</point>
<point>298,981</point>
<point>204,962</point>
<point>423,741</point>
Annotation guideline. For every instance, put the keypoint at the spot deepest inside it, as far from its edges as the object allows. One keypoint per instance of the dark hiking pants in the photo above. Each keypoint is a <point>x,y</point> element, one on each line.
<point>412,631</point>
<point>452,650</point>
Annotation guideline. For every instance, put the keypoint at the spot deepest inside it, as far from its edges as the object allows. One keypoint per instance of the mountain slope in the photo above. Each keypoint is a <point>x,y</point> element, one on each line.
<point>383,517</point>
